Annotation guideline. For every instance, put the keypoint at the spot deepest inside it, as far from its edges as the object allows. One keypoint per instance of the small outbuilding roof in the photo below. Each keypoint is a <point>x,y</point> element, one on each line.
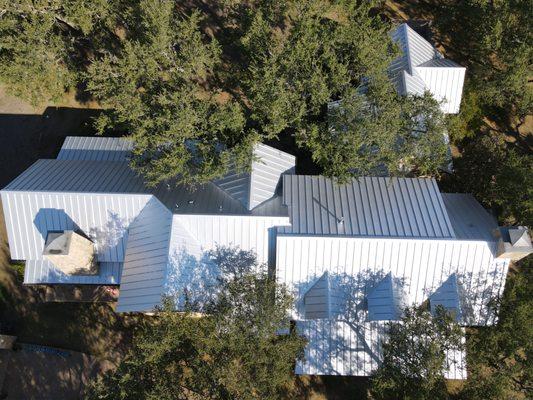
<point>421,67</point>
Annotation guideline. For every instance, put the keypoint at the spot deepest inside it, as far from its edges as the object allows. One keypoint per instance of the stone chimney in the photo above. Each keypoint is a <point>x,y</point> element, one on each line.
<point>71,252</point>
<point>514,242</point>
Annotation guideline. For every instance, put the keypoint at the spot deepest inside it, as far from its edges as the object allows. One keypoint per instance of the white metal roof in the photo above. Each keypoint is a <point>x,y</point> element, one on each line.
<point>354,234</point>
<point>387,207</point>
<point>316,299</point>
<point>469,219</point>
<point>356,265</point>
<point>105,218</point>
<point>146,259</point>
<point>343,347</point>
<point>421,67</point>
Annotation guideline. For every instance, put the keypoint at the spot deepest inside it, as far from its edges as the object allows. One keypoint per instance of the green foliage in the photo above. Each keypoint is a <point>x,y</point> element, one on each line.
<point>154,86</point>
<point>494,38</point>
<point>499,357</point>
<point>499,177</point>
<point>308,53</point>
<point>40,45</point>
<point>414,356</point>
<point>18,269</point>
<point>233,352</point>
<point>363,136</point>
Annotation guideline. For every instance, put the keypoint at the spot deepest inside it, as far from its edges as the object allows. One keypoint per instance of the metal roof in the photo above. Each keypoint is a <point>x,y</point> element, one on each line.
<point>146,259</point>
<point>268,166</point>
<point>95,148</point>
<point>109,177</point>
<point>259,185</point>
<point>104,218</point>
<point>357,265</point>
<point>44,272</point>
<point>316,299</point>
<point>421,67</point>
<point>387,207</point>
<point>448,297</point>
<point>385,300</point>
<point>342,347</point>
<point>87,176</point>
<point>469,219</point>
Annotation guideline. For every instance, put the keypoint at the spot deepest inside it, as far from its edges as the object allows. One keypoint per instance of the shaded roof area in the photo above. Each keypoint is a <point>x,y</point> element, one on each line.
<point>448,297</point>
<point>368,206</point>
<point>359,270</point>
<point>469,219</point>
<point>100,165</point>
<point>385,300</point>
<point>262,181</point>
<point>357,265</point>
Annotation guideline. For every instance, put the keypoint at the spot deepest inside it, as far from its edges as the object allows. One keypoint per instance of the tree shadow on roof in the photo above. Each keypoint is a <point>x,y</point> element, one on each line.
<point>346,343</point>
<point>193,281</point>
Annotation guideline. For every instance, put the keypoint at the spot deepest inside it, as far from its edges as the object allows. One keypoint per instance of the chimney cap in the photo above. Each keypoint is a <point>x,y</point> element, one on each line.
<point>519,237</point>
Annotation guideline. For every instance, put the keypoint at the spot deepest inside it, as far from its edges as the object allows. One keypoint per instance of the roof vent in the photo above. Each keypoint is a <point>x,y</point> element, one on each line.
<point>71,252</point>
<point>514,242</point>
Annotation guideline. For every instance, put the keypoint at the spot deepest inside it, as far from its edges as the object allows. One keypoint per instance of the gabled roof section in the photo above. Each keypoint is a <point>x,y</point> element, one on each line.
<point>146,259</point>
<point>260,184</point>
<point>448,297</point>
<point>421,67</point>
<point>385,300</point>
<point>95,148</point>
<point>368,206</point>
<point>469,219</point>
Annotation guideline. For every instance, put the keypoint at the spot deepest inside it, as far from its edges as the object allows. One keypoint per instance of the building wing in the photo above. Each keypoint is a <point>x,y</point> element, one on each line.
<point>421,67</point>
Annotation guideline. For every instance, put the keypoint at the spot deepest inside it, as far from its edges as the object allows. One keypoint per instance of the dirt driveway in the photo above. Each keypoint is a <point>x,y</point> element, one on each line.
<point>34,372</point>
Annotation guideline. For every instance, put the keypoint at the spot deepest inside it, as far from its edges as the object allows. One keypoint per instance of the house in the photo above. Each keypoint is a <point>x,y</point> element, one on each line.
<point>422,68</point>
<point>353,255</point>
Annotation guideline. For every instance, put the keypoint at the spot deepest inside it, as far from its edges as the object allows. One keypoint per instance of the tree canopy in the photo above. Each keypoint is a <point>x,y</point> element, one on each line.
<point>234,351</point>
<point>414,356</point>
<point>195,107</point>
<point>499,357</point>
<point>494,39</point>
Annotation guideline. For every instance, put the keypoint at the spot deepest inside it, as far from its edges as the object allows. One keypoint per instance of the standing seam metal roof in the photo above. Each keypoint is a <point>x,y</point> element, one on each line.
<point>95,148</point>
<point>421,67</point>
<point>391,207</point>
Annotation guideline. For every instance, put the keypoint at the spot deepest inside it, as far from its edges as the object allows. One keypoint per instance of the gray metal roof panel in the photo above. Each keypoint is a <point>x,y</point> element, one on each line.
<point>368,206</point>
<point>146,259</point>
<point>95,148</point>
<point>469,219</point>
